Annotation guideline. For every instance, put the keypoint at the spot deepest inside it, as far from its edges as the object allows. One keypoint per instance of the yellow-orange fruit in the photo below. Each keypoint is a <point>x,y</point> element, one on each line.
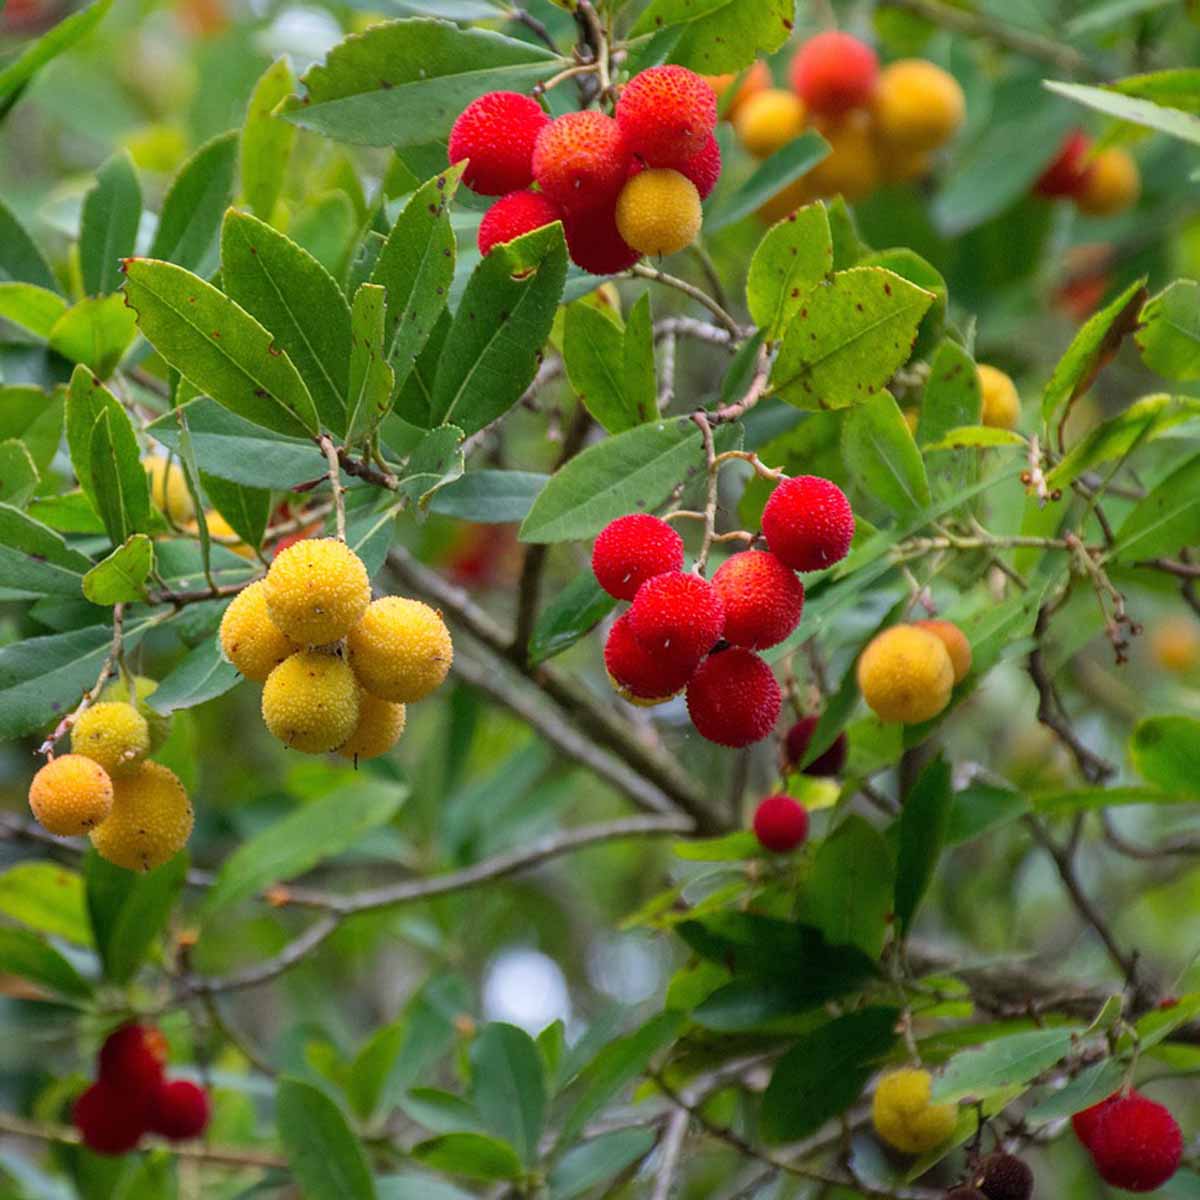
<point>905,674</point>
<point>955,642</point>
<point>904,1116</point>
<point>851,169</point>
<point>785,201</point>
<point>380,724</point>
<point>316,590</point>
<point>150,822</point>
<point>221,531</point>
<point>1175,644</point>
<point>1000,406</point>
<point>768,120</point>
<point>917,105</point>
<point>400,650</point>
<point>755,80</point>
<point>658,212</point>
<point>143,689</point>
<point>249,638</point>
<point>168,489</point>
<point>310,702</point>
<point>1111,184</point>
<point>112,733</point>
<point>70,795</point>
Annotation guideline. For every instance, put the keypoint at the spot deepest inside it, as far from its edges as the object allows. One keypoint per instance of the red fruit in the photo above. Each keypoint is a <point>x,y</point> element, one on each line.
<point>1136,1144</point>
<point>667,115</point>
<point>180,1110</point>
<point>631,550</point>
<point>733,698</point>
<point>808,523</point>
<point>107,1121</point>
<point>796,743</point>
<point>638,674</point>
<point>1087,1122</point>
<point>513,215</point>
<point>580,160</point>
<point>834,72</point>
<point>703,169</point>
<point>677,615</point>
<point>132,1060</point>
<point>1064,176</point>
<point>780,824</point>
<point>595,244</point>
<point>763,599</point>
<point>497,133</point>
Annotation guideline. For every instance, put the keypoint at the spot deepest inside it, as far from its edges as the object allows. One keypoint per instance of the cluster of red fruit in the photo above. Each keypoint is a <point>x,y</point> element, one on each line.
<point>1135,1143</point>
<point>622,186</point>
<point>684,631</point>
<point>1100,184</point>
<point>132,1097</point>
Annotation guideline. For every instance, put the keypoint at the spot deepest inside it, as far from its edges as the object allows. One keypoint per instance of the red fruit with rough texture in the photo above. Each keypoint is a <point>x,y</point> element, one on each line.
<point>834,72</point>
<point>808,523</point>
<point>1064,176</point>
<point>180,1110</point>
<point>828,763</point>
<point>132,1060</point>
<point>637,673</point>
<point>763,599</point>
<point>581,160</point>
<point>595,244</point>
<point>678,616</point>
<point>631,550</point>
<point>107,1121</point>
<point>704,169</point>
<point>667,114</point>
<point>733,698</point>
<point>513,215</point>
<point>780,824</point>
<point>1136,1144</point>
<point>497,133</point>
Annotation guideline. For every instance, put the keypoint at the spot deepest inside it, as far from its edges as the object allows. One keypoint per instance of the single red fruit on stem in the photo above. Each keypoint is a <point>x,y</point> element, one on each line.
<point>641,676</point>
<point>678,616</point>
<point>180,1110</point>
<point>132,1060</point>
<point>808,523</point>
<point>497,133</point>
<point>581,160</point>
<point>763,599</point>
<point>667,114</point>
<point>834,72</point>
<point>107,1121</point>
<point>1136,1143</point>
<point>780,824</point>
<point>734,698</point>
<point>631,550</point>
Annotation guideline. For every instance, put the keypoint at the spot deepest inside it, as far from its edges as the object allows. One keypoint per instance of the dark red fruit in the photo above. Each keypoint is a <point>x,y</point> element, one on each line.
<point>763,599</point>
<point>808,523</point>
<point>107,1121</point>
<point>1087,1122</point>
<point>1004,1177</point>
<point>631,550</point>
<point>829,763</point>
<point>678,616</point>
<point>596,245</point>
<point>513,215</point>
<point>1136,1144</point>
<point>132,1060</point>
<point>734,698</point>
<point>180,1110</point>
<point>640,676</point>
<point>780,824</point>
<point>1064,176</point>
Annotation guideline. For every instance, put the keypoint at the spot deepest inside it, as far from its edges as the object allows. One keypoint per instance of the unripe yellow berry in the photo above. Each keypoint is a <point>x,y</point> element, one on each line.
<point>905,1118</point>
<point>955,642</point>
<point>768,120</point>
<point>143,689</point>
<point>851,168</point>
<point>169,490</point>
<point>249,638</point>
<point>112,733</point>
<point>906,675</point>
<point>310,702</point>
<point>1000,406</point>
<point>917,105</point>
<point>1175,644</point>
<point>400,650</point>
<point>1111,184</point>
<point>316,590</point>
<point>150,822</point>
<point>658,211</point>
<point>380,724</point>
<point>70,795</point>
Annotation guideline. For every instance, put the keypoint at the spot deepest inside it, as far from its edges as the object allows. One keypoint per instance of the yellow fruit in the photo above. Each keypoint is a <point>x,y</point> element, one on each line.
<point>249,638</point>
<point>400,650</point>
<point>150,822</point>
<point>785,201</point>
<point>904,1116</point>
<point>768,120</point>
<point>1000,405</point>
<point>1175,644</point>
<point>316,590</point>
<point>168,489</point>
<point>143,689</point>
<point>310,702</point>
<point>955,642</point>
<point>851,169</point>
<point>1111,184</point>
<point>658,212</point>
<point>917,105</point>
<point>70,795</point>
<point>112,733</point>
<point>380,724</point>
<point>906,675</point>
<point>755,80</point>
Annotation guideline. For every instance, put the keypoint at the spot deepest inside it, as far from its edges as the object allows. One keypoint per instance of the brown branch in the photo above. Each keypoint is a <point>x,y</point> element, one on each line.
<point>335,483</point>
<point>754,393</point>
<point>539,31</point>
<point>642,271</point>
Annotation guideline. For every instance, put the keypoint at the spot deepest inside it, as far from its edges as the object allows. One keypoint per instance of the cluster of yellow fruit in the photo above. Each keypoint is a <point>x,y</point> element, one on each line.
<point>337,668</point>
<point>169,494</point>
<point>905,1116</point>
<point>907,672</point>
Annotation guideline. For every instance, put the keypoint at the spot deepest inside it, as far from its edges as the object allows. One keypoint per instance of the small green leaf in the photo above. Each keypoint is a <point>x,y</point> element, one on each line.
<point>121,577</point>
<point>922,834</point>
<point>436,462</point>
<point>372,380</point>
<point>48,898</point>
<point>1094,1083</point>
<point>509,1088</point>
<point>883,458</point>
<point>1166,520</point>
<point>18,72</point>
<point>18,476</point>
<point>1169,336</point>
<point>195,203</point>
<point>247,509</point>
<point>1181,125</point>
<point>27,956</point>
<point>35,309</point>
<point>122,492</point>
<point>952,397</point>
<point>327,1159</point>
<point>1166,752</point>
<point>720,35</point>
<point>792,258</point>
<point>95,332</point>
<point>472,1155</point>
<point>572,614</point>
<point>594,354</point>
<point>591,1163</point>
<point>640,377</point>
<point>849,892</point>
<point>1005,1062</point>
<point>108,233</point>
<point>20,259</point>
<point>266,140</point>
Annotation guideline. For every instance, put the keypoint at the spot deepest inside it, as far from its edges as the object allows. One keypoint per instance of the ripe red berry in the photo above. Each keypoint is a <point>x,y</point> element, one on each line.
<point>107,1121</point>
<point>780,824</point>
<point>513,215</point>
<point>1086,1123</point>
<point>1064,176</point>
<point>678,616</point>
<point>703,169</point>
<point>580,160</point>
<point>1136,1144</point>
<point>830,762</point>
<point>132,1060</point>
<point>638,675</point>
<point>834,72</point>
<point>1004,1177</point>
<point>733,698</point>
<point>631,550</point>
<point>667,114</point>
<point>180,1110</point>
<point>595,244</point>
<point>808,523</point>
<point>497,133</point>
<point>763,599</point>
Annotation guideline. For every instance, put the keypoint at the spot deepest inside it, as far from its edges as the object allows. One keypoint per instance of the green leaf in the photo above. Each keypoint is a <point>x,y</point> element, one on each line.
<point>502,322</point>
<point>195,203</point>
<point>417,1186</point>
<point>572,614</point>
<point>50,45</point>
<point>720,35</point>
<point>591,1163</point>
<point>640,377</point>
<point>36,561</point>
<point>121,577</point>
<point>730,847</point>
<point>441,1112</point>
<point>1146,113</point>
<point>48,898</point>
<point>1094,1083</point>
<point>87,399</point>
<point>216,344</point>
<point>825,1072</point>
<point>849,337</point>
<point>290,294</point>
<point>594,354</point>
<point>911,266</point>
<point>489,497</point>
<point>508,1087</point>
<point>108,233</point>
<point>27,956</point>
<point>922,828</point>
<point>96,332</point>
<point>1156,1026</point>
<point>1166,752</point>
<point>792,258</point>
<point>975,436</point>
<point>247,509</point>
<point>1169,333</point>
<point>473,1155</point>
<point>881,455</point>
<point>769,178</point>
<point>35,309</point>
<point>266,140</point>
<point>436,462</point>
<point>372,380</point>
<point>202,675</point>
<point>952,398</point>
<point>18,475</point>
<point>849,892</point>
<point>1068,801</point>
<point>122,491</point>
<point>1166,520</point>
<point>1002,1063</point>
<point>35,418</point>
<point>327,1159</point>
<point>20,259</point>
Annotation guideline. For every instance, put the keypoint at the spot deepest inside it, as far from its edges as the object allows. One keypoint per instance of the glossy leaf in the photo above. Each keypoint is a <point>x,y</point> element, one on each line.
<point>1169,333</point>
<point>48,898</point>
<point>922,827</point>
<point>489,497</point>
<point>1166,752</point>
<point>792,258</point>
<point>121,488</point>
<point>266,140</point>
<point>1182,125</point>
<point>572,614</point>
<point>18,475</point>
<point>108,234</point>
<point>594,354</point>
<point>20,259</point>
<point>35,309</point>
<point>247,509</point>
<point>327,1159</point>
<point>472,1155</point>
<point>33,57</point>
<point>36,561</point>
<point>769,178</point>
<point>372,380</point>
<point>29,957</point>
<point>95,332</point>
<point>201,675</point>
<point>195,203</point>
<point>121,577</point>
<point>1166,520</point>
<point>598,1160</point>
<point>849,891</point>
<point>508,1087</point>
<point>1002,1063</point>
<point>720,35</point>
<point>883,458</point>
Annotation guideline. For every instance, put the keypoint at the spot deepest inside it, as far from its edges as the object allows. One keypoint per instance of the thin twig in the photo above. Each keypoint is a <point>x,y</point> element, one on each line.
<point>642,271</point>
<point>335,484</point>
<point>754,393</point>
<point>712,483</point>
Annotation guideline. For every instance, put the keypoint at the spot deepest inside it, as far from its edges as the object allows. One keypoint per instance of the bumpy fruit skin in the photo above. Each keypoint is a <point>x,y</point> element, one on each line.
<point>513,215</point>
<point>658,212</point>
<point>107,1122</point>
<point>780,824</point>
<point>112,733</point>
<point>310,702</point>
<point>132,1059</point>
<point>667,114</point>
<point>834,72</point>
<point>1064,176</point>
<point>637,675</point>
<point>768,121</point>
<point>1111,184</point>
<point>380,724</point>
<point>401,650</point>
<point>903,1115</point>
<point>906,675</point>
<point>180,1111</point>
<point>497,133</point>
<point>852,168</point>
<point>581,160</point>
<point>249,638</point>
<point>1086,1123</point>
<point>631,550</point>
<point>678,616</point>
<point>595,244</point>
<point>316,590</point>
<point>168,489</point>
<point>825,765</point>
<point>1136,1144</point>
<point>143,689</point>
<point>150,822</point>
<point>71,795</point>
<point>755,80</point>
<point>1000,406</point>
<point>1175,644</point>
<point>917,105</point>
<point>703,169</point>
<point>763,599</point>
<point>955,642</point>
<point>1004,1177</point>
<point>734,698</point>
<point>808,523</point>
